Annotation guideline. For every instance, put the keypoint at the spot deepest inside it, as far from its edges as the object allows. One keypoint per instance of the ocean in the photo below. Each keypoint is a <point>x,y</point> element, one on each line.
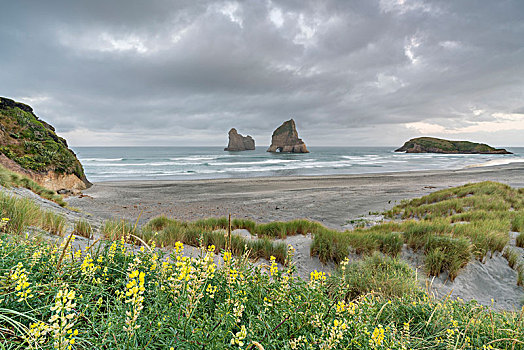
<point>186,163</point>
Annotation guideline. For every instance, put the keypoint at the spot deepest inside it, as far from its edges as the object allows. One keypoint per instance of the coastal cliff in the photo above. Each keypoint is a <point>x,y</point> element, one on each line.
<point>238,142</point>
<point>285,139</point>
<point>30,146</point>
<point>435,145</point>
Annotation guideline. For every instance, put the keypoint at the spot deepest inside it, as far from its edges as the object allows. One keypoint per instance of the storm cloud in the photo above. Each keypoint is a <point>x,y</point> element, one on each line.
<point>168,72</point>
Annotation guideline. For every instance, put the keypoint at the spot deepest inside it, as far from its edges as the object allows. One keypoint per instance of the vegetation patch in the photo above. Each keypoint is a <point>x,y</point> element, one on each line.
<point>32,143</point>
<point>113,298</point>
<point>83,228</point>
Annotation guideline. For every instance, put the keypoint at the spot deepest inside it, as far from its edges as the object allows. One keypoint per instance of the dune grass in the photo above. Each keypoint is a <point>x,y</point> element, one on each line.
<point>166,232</point>
<point>117,229</point>
<point>376,273</point>
<point>115,298</point>
<point>11,179</point>
<point>53,223</point>
<point>83,228</point>
<point>21,212</point>
<point>449,226</point>
<point>519,241</point>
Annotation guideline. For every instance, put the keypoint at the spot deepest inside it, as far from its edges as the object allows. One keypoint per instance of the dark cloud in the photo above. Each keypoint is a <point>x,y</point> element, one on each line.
<point>174,72</point>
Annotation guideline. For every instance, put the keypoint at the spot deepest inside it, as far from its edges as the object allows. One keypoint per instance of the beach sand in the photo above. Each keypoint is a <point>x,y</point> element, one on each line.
<point>331,200</point>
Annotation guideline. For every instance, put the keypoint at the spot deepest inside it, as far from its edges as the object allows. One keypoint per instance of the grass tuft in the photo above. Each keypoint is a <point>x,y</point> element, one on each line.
<point>83,228</point>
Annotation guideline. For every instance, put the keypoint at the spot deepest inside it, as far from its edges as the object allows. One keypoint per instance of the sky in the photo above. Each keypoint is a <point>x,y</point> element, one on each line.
<point>351,73</point>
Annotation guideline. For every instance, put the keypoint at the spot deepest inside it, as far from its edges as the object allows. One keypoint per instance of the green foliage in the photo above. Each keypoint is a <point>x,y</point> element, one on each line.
<point>21,213</point>
<point>376,273</point>
<point>444,253</point>
<point>83,228</point>
<point>518,222</point>
<point>512,256</point>
<point>118,229</point>
<point>519,241</point>
<point>126,300</point>
<point>53,223</point>
<point>166,232</point>
<point>33,144</point>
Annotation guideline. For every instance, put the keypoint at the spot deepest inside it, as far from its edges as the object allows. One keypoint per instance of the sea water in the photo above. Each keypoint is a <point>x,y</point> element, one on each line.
<point>185,163</point>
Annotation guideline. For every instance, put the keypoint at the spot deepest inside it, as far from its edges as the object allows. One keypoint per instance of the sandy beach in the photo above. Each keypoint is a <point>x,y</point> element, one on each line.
<point>332,200</point>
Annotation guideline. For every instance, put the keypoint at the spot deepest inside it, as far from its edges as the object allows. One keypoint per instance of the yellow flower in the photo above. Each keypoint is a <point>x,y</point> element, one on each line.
<point>227,257</point>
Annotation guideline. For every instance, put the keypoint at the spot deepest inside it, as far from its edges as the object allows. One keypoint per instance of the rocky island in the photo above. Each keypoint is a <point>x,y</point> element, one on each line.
<point>238,142</point>
<point>435,145</point>
<point>30,146</point>
<point>285,139</point>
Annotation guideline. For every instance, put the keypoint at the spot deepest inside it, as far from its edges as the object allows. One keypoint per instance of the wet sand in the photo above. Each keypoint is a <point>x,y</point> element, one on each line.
<point>332,200</point>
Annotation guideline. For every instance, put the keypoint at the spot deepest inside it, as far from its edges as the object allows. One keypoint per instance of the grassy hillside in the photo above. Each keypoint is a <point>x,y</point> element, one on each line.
<point>32,143</point>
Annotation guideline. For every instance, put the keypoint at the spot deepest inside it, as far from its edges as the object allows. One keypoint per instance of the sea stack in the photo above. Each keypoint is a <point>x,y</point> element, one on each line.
<point>31,147</point>
<point>435,145</point>
<point>285,139</point>
<point>238,142</point>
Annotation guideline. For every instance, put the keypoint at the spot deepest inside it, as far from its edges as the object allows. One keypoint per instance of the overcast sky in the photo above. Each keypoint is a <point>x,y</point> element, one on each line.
<point>169,72</point>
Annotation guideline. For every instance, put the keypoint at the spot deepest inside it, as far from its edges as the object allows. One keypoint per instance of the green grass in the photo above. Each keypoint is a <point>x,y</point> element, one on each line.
<point>83,228</point>
<point>374,274</point>
<point>21,213</point>
<point>512,256</point>
<point>118,229</point>
<point>449,227</point>
<point>519,241</point>
<point>195,304</point>
<point>53,223</point>
<point>166,232</point>
<point>11,179</point>
<point>517,224</point>
<point>444,253</point>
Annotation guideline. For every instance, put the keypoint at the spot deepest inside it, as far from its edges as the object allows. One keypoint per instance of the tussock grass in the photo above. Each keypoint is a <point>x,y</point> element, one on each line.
<point>9,178</point>
<point>512,256</point>
<point>520,275</point>
<point>389,277</point>
<point>83,228</point>
<point>21,212</point>
<point>117,229</point>
<point>519,241</point>
<point>53,223</point>
<point>517,224</point>
<point>445,253</point>
<point>166,232</point>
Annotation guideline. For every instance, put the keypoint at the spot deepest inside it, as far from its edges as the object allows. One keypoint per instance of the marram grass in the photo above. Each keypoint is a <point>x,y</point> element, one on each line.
<point>113,298</point>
